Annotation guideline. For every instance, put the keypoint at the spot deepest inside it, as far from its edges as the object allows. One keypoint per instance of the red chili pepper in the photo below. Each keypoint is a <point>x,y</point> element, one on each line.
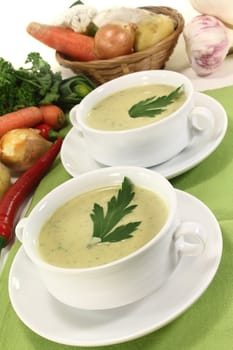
<point>44,130</point>
<point>13,198</point>
<point>50,134</point>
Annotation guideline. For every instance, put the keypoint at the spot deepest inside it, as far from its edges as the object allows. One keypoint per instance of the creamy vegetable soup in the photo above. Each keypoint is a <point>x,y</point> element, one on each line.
<point>111,113</point>
<point>66,238</point>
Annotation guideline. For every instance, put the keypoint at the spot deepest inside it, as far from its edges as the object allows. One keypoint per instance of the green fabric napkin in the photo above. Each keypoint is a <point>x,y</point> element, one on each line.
<point>208,323</point>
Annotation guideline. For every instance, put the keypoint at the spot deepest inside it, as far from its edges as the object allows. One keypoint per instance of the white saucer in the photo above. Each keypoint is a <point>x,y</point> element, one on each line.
<point>63,324</point>
<point>76,159</point>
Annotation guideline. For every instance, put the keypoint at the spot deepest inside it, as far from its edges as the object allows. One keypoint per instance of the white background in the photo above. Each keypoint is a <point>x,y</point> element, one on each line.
<point>16,43</point>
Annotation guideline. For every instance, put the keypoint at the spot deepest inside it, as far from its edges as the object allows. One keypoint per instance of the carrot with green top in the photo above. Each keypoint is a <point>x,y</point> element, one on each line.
<point>76,45</point>
<point>22,118</point>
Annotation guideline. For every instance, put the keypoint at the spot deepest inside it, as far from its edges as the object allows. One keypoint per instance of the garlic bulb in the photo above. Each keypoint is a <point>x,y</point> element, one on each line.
<point>206,42</point>
<point>221,9</point>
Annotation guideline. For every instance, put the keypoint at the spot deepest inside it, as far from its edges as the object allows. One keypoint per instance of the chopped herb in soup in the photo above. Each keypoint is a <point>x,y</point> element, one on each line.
<point>65,238</point>
<point>128,109</point>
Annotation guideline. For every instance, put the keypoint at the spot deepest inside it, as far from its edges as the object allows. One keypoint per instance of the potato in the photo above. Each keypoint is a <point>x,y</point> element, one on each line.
<point>5,179</point>
<point>20,148</point>
<point>152,30</point>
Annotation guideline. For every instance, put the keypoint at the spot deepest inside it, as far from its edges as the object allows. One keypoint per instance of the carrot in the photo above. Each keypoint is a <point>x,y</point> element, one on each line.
<point>53,116</point>
<point>76,45</point>
<point>22,118</point>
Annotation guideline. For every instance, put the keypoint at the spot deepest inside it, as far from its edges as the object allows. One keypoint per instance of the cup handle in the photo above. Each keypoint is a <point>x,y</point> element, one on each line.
<point>73,120</point>
<point>20,228</point>
<point>202,120</point>
<point>190,239</point>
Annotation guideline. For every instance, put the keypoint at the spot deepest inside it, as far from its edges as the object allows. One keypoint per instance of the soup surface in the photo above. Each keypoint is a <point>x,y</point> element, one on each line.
<point>111,113</point>
<point>65,238</point>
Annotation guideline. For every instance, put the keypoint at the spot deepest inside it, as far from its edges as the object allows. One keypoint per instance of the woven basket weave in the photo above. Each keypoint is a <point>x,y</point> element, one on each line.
<point>155,57</point>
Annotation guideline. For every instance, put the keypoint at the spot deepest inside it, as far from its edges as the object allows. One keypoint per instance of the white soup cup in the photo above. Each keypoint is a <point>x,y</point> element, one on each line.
<point>147,145</point>
<point>130,278</point>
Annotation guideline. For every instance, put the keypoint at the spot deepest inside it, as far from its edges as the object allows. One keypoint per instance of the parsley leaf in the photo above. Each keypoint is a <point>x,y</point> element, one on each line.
<point>104,225</point>
<point>154,106</point>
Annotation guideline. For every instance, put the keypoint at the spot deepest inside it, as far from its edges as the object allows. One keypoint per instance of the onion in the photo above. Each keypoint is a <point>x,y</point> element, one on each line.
<point>114,39</point>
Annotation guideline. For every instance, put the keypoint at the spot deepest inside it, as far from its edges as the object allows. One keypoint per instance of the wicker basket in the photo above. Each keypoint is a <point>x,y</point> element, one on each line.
<point>154,57</point>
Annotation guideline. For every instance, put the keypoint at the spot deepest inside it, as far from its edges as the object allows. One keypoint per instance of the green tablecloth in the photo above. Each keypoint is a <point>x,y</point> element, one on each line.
<point>208,323</point>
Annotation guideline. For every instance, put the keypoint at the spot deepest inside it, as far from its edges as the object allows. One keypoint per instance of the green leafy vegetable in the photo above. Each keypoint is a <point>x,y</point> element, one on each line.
<point>36,84</point>
<point>104,228</point>
<point>8,86</point>
<point>154,106</point>
<point>33,85</point>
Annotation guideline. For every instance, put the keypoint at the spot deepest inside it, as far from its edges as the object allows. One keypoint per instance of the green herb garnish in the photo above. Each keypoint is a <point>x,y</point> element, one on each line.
<point>154,106</point>
<point>79,2</point>
<point>105,227</point>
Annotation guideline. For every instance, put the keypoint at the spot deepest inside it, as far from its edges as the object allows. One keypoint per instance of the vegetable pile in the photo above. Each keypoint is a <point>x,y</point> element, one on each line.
<point>34,106</point>
<point>34,99</point>
<point>85,35</point>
